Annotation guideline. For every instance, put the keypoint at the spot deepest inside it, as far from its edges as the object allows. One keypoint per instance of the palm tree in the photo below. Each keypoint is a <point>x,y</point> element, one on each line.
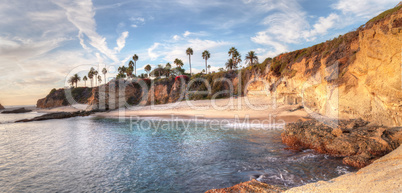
<point>251,58</point>
<point>91,75</point>
<point>99,79</point>
<point>104,71</point>
<point>74,79</point>
<point>122,72</point>
<point>85,80</point>
<point>178,62</point>
<point>135,58</point>
<point>230,64</point>
<point>189,52</point>
<point>148,68</point>
<point>236,57</point>
<point>168,68</point>
<point>71,81</point>
<point>129,70</point>
<point>206,55</point>
<point>209,68</point>
<point>96,75</point>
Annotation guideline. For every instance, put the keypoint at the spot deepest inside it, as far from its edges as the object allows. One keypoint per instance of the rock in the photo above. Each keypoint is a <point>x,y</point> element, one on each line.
<point>1,107</point>
<point>16,111</point>
<point>252,186</point>
<point>358,143</point>
<point>58,115</point>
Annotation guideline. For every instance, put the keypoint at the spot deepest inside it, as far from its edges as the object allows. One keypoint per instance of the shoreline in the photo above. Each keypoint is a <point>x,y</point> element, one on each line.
<point>356,181</point>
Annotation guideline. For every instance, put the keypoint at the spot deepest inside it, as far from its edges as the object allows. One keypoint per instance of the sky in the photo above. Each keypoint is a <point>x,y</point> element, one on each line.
<point>42,43</point>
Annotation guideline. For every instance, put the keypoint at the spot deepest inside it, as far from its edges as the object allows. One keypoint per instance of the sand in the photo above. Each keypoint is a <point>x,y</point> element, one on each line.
<point>253,108</point>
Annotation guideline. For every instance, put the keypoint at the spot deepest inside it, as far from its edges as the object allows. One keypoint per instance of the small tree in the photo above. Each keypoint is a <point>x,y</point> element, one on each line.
<point>178,62</point>
<point>148,68</point>
<point>209,69</point>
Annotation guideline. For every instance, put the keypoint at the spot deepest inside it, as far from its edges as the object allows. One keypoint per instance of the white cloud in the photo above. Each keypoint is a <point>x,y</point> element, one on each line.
<point>134,26</point>
<point>186,33</point>
<point>137,19</point>
<point>151,52</point>
<point>121,41</point>
<point>176,37</point>
<point>322,26</point>
<point>81,13</point>
<point>363,8</point>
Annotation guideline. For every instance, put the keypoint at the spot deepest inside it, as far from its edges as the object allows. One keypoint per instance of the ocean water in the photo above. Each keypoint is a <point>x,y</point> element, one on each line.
<point>89,154</point>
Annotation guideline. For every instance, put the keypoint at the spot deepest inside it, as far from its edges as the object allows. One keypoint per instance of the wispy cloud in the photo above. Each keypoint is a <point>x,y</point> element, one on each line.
<point>81,13</point>
<point>121,41</point>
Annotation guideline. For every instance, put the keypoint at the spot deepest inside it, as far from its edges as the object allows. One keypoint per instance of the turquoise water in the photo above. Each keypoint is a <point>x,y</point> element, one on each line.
<point>105,155</point>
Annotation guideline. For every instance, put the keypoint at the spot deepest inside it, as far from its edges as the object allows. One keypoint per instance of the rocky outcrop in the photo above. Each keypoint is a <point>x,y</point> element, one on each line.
<point>252,186</point>
<point>1,107</point>
<point>58,115</point>
<point>355,140</point>
<point>17,111</point>
<point>64,97</point>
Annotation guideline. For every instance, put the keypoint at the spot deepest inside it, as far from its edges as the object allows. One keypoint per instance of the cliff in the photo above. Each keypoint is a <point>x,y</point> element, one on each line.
<point>357,75</point>
<point>1,107</point>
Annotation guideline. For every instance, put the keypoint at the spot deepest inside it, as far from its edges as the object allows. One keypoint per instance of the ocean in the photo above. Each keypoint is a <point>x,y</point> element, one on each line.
<point>90,154</point>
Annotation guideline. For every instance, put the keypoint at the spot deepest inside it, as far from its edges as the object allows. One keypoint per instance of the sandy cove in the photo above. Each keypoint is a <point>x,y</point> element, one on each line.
<point>239,108</point>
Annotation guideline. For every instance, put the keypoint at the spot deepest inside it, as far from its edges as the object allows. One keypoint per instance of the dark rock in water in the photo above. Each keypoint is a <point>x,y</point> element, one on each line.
<point>20,110</point>
<point>59,115</point>
<point>355,140</point>
<point>1,107</point>
<point>252,186</point>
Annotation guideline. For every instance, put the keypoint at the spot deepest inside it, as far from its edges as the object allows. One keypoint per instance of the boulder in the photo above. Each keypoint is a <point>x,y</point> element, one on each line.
<point>355,140</point>
<point>250,187</point>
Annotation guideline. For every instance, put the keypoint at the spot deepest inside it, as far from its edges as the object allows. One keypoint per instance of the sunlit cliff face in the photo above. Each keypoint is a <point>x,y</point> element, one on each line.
<point>42,41</point>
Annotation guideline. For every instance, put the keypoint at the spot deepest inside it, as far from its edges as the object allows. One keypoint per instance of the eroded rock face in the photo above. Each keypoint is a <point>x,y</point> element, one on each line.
<point>1,107</point>
<point>360,78</point>
<point>355,140</point>
<point>252,186</point>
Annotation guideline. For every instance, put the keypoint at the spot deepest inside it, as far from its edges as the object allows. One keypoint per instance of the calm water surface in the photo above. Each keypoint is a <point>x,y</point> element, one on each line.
<point>104,155</point>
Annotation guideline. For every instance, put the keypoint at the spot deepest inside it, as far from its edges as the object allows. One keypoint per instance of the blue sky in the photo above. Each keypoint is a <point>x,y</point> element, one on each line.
<point>43,42</point>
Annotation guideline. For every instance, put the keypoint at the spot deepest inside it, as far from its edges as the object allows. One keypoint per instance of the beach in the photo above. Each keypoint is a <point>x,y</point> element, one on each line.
<point>253,108</point>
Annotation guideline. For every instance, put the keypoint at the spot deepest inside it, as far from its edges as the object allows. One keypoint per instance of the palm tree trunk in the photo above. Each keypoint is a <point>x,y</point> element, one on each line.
<point>135,68</point>
<point>206,69</point>
<point>105,78</point>
<point>189,59</point>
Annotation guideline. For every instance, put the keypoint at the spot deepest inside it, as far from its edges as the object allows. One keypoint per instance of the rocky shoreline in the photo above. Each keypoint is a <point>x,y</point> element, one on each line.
<point>59,115</point>
<point>357,141</point>
<point>17,111</point>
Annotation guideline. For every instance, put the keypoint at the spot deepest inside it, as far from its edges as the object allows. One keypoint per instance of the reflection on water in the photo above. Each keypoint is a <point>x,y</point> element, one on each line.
<point>98,155</point>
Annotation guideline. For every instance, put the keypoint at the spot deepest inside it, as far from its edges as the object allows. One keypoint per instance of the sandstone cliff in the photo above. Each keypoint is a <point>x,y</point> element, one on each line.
<point>357,75</point>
